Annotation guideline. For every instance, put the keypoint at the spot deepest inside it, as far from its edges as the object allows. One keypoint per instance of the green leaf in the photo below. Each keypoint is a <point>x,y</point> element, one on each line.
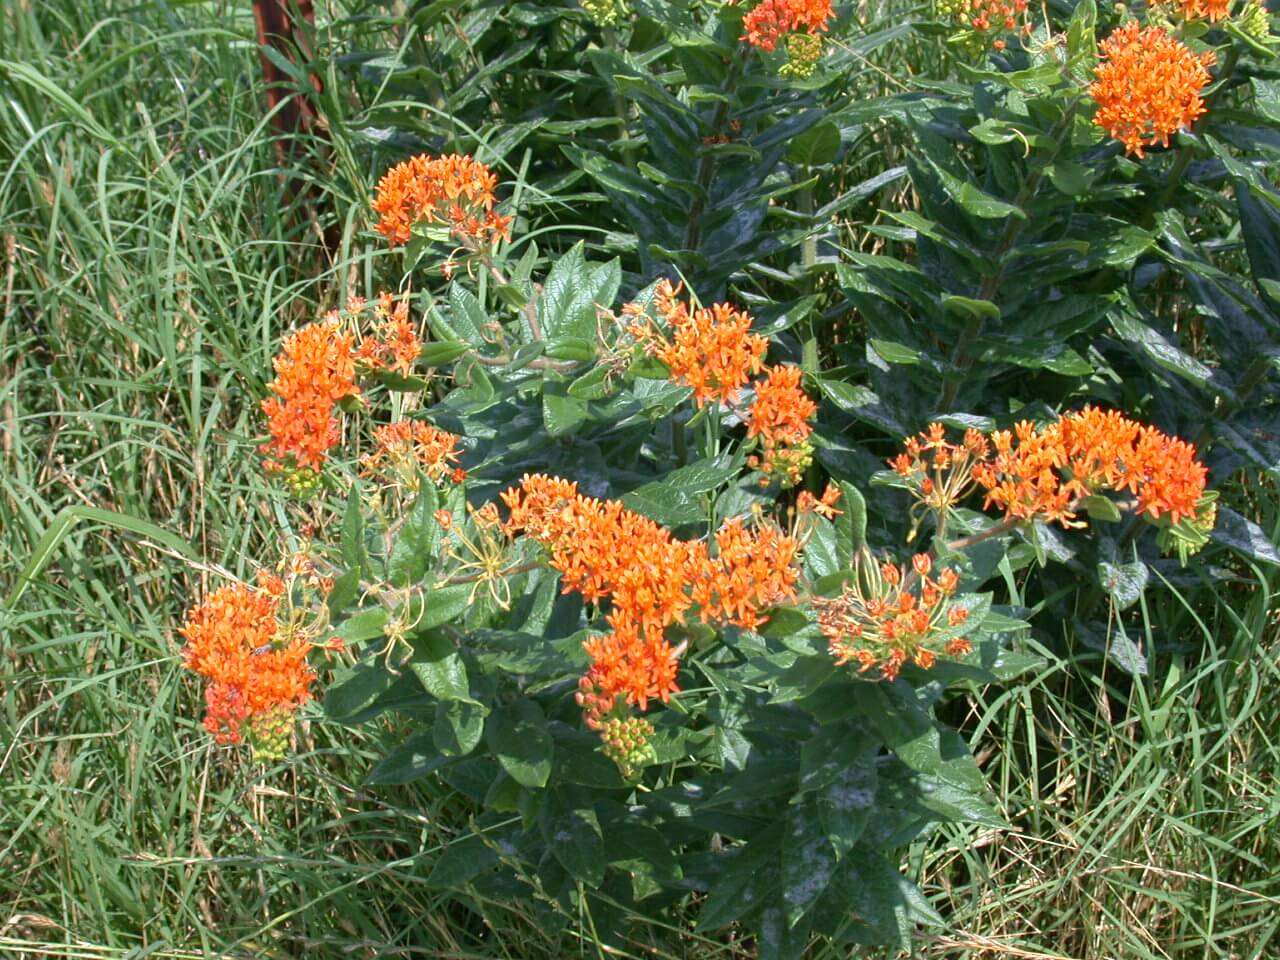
<point>462,861</point>
<point>847,802</point>
<point>572,832</point>
<point>345,592</point>
<point>417,757</point>
<point>851,524</point>
<point>1070,178</point>
<point>568,304</point>
<point>808,861</point>
<point>974,200</point>
<point>863,403</point>
<point>445,603</point>
<point>821,553</point>
<point>469,318</point>
<point>439,352</point>
<point>802,678</point>
<point>818,145</point>
<point>750,875</point>
<point>351,542</point>
<point>969,308</point>
<point>398,382</point>
<point>1124,582</point>
<point>517,735</point>
<point>1081,41</point>
<point>892,352</point>
<point>363,625</point>
<point>562,414</point>
<point>1101,508</point>
<point>916,738</point>
<point>439,667</point>
<point>458,727</point>
<point>572,348</point>
<point>1244,536</point>
<point>1129,327</point>
<point>592,385</point>
<point>413,553</point>
<point>354,688</point>
<point>675,499</point>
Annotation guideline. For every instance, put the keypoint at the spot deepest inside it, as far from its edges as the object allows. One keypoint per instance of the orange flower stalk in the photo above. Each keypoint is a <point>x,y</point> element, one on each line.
<point>314,370</point>
<point>885,618</point>
<point>257,670</point>
<point>770,20</point>
<point>780,416</point>
<point>711,351</point>
<point>455,191</point>
<point>650,580</point>
<point>1147,86</point>
<point>407,446</point>
<point>1045,472</point>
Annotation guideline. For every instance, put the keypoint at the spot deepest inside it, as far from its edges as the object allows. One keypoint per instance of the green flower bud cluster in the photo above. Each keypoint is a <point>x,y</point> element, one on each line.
<point>303,483</point>
<point>1255,21</point>
<point>1189,535</point>
<point>804,50</point>
<point>605,13</point>
<point>269,736</point>
<point>626,743</point>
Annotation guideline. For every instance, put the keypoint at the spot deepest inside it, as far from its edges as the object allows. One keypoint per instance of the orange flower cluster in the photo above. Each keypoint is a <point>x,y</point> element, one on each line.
<point>650,579</point>
<point>1147,86</point>
<point>780,416</point>
<point>712,351</point>
<point>887,616</point>
<point>395,346</point>
<point>1213,10</point>
<point>407,446</point>
<point>314,370</point>
<point>770,20</point>
<point>257,671</point>
<point>455,191</point>
<point>1044,472</point>
<point>940,472</point>
<point>990,16</point>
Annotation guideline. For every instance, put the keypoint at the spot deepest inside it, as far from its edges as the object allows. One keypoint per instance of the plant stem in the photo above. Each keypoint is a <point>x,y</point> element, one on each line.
<point>707,166</point>
<point>961,356</point>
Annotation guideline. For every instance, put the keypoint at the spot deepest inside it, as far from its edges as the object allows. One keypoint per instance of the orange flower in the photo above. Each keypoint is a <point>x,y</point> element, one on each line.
<point>994,17</point>
<point>649,580</point>
<point>1044,472</point>
<point>256,670</point>
<point>824,506</point>
<point>454,190</point>
<point>940,472</point>
<point>396,345</point>
<point>314,371</point>
<point>766,24</point>
<point>711,351</point>
<point>407,445</point>
<point>1147,86</point>
<point>885,618</point>
<point>780,416</point>
<point>1213,10</point>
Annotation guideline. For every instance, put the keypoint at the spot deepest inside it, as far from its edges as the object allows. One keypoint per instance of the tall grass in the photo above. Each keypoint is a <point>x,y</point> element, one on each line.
<point>150,261</point>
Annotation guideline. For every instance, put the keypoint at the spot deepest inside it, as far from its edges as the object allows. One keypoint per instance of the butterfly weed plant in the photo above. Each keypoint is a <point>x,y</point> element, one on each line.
<point>670,588</point>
